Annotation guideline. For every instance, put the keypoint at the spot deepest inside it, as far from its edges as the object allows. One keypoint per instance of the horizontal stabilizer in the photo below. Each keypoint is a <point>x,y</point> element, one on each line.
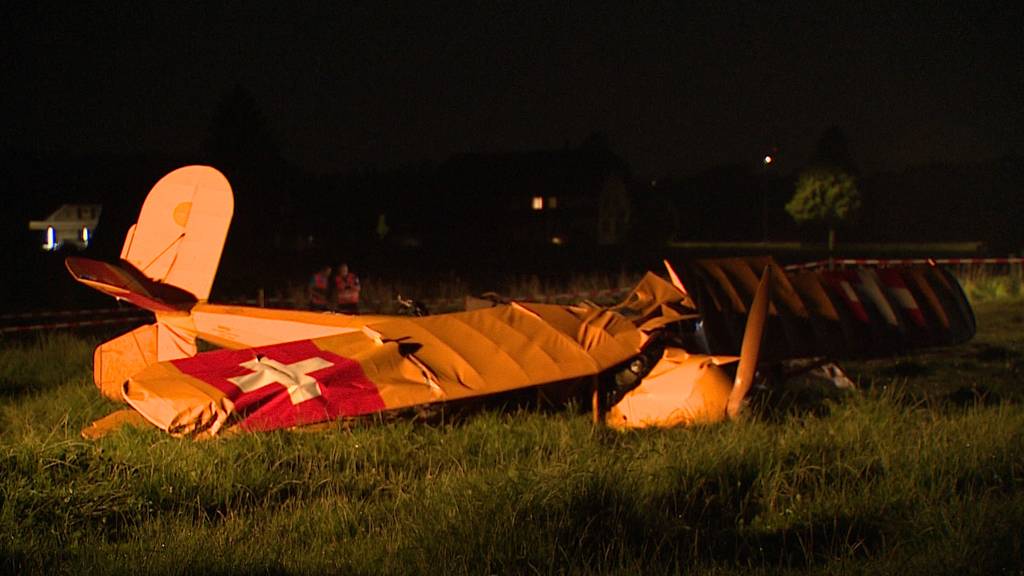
<point>124,282</point>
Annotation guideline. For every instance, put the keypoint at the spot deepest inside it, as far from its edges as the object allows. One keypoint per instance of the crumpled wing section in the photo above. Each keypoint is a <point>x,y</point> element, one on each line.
<point>511,346</point>
<point>605,335</point>
<point>181,229</point>
<point>654,303</point>
<point>388,364</point>
<point>177,402</point>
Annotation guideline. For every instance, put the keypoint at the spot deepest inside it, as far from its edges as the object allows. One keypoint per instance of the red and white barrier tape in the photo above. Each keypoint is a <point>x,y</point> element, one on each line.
<point>902,262</point>
<point>62,313</point>
<point>79,324</point>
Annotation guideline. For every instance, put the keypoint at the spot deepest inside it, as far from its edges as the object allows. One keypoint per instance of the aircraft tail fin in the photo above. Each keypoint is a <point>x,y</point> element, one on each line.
<point>179,236</point>
<point>168,263</point>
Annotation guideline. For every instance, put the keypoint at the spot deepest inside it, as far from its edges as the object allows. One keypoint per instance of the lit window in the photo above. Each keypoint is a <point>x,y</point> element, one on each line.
<point>85,234</point>
<point>552,202</point>
<point>557,240</point>
<point>538,203</point>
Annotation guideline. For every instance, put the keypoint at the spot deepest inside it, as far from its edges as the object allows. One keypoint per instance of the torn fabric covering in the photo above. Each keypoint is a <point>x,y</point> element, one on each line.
<point>116,360</point>
<point>681,389</point>
<point>655,303</point>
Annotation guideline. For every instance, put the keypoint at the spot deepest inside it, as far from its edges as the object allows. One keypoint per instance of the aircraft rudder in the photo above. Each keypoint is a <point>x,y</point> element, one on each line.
<point>181,230</point>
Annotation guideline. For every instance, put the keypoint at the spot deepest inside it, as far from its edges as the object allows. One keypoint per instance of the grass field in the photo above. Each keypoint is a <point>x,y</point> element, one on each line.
<point>919,471</point>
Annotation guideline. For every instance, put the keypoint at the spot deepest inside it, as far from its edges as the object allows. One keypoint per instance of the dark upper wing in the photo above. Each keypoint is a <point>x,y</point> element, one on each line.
<point>836,313</point>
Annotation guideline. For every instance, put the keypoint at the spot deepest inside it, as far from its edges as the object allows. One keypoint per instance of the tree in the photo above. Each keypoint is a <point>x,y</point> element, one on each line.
<point>827,195</point>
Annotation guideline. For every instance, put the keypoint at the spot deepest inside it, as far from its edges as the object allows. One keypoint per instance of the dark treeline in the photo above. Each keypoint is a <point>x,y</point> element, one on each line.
<point>934,203</point>
<point>475,216</point>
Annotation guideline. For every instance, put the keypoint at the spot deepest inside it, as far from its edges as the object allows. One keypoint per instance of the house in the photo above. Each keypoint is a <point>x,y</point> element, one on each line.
<point>573,196</point>
<point>72,224</point>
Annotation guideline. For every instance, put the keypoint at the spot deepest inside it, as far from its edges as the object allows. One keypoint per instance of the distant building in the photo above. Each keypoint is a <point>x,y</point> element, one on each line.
<point>574,196</point>
<point>72,224</point>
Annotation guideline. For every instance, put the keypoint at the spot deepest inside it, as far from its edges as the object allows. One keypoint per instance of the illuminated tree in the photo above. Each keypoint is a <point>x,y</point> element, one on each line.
<point>825,195</point>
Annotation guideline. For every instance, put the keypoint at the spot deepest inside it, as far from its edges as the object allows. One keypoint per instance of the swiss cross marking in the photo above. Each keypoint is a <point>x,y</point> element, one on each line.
<point>295,377</point>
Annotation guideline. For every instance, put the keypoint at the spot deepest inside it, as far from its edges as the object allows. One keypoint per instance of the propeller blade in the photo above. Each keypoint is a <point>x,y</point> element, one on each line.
<point>751,346</point>
<point>674,277</point>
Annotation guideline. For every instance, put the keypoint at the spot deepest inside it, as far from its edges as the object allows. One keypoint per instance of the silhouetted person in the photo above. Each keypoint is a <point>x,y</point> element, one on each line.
<point>319,286</point>
<point>346,290</point>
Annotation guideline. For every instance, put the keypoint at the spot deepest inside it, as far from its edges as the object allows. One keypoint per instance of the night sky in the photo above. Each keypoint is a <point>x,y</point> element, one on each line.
<point>676,88</point>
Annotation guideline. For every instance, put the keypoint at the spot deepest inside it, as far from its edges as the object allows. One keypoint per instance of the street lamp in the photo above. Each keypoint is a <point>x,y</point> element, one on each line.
<point>767,162</point>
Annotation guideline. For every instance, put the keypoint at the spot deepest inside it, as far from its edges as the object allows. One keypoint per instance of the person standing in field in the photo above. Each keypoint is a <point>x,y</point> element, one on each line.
<point>319,286</point>
<point>346,290</point>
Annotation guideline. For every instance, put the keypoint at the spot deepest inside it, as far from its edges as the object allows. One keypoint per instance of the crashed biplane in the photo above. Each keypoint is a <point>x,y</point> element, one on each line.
<point>678,351</point>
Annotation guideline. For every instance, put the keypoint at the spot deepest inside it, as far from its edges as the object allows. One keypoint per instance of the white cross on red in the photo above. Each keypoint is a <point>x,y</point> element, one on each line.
<point>295,377</point>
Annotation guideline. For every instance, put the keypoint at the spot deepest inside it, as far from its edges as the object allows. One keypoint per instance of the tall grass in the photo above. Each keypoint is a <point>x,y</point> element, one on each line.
<point>981,284</point>
<point>891,479</point>
<point>36,363</point>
